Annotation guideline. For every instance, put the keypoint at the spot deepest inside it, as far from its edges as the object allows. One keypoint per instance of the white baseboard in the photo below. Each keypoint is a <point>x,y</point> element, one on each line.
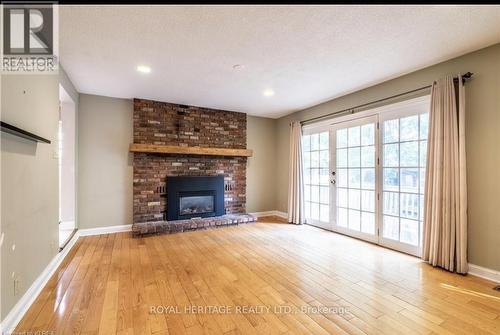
<point>271,213</point>
<point>484,273</point>
<point>67,225</point>
<point>21,307</point>
<point>262,214</point>
<point>283,215</point>
<point>15,315</point>
<point>105,230</point>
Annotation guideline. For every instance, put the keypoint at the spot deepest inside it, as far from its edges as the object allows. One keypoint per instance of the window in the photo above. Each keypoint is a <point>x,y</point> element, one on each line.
<point>316,160</point>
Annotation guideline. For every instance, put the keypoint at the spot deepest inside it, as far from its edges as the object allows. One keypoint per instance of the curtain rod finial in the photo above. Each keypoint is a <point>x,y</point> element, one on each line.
<point>467,75</point>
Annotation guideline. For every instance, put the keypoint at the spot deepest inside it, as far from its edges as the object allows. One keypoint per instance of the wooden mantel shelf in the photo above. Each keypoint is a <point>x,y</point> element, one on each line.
<point>173,149</point>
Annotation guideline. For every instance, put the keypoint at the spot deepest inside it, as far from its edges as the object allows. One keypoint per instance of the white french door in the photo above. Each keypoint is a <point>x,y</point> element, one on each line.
<point>364,177</point>
<point>353,178</point>
<point>403,138</point>
<point>316,170</point>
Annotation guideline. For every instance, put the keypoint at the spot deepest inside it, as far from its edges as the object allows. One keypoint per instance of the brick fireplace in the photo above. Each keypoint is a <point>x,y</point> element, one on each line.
<point>161,123</point>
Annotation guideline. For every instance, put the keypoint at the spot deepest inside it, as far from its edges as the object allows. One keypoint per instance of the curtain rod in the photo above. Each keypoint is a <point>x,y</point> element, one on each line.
<point>465,77</point>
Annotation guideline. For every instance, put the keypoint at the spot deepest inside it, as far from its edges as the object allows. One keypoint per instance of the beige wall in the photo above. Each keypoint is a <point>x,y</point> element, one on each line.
<point>261,167</point>
<point>482,143</point>
<point>104,164</point>
<point>29,177</point>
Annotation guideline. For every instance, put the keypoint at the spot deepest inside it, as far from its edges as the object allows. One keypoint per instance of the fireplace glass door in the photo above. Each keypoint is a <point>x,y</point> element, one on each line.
<point>196,204</point>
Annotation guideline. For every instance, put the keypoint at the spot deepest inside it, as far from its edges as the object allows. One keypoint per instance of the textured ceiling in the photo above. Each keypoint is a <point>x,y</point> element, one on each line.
<point>305,54</point>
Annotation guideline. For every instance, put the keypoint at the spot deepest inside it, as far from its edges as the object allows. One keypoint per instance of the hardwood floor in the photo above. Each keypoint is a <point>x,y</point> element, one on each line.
<point>116,284</point>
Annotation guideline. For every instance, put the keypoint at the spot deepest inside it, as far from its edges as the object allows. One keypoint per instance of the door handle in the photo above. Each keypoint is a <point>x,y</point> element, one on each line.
<point>333,181</point>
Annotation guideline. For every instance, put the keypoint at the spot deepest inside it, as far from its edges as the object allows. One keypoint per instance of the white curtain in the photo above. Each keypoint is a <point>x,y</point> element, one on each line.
<point>295,192</point>
<point>445,219</point>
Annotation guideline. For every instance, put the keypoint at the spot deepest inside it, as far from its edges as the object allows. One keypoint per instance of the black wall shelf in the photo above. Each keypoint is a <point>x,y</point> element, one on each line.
<point>8,128</point>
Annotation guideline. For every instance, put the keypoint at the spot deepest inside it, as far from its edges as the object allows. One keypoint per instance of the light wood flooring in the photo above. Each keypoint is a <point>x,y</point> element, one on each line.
<point>117,284</point>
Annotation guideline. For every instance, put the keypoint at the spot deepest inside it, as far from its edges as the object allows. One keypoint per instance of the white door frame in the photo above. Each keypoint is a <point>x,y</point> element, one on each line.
<point>67,166</point>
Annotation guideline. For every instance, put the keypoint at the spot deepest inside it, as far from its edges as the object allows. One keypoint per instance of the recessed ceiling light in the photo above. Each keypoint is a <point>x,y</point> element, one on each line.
<point>143,69</point>
<point>268,93</point>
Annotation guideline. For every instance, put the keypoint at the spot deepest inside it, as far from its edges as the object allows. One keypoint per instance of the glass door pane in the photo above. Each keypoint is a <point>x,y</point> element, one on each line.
<point>404,149</point>
<point>316,160</point>
<point>354,171</point>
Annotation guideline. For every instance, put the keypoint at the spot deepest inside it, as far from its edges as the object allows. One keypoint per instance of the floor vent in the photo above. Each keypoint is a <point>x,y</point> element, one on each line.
<point>497,288</point>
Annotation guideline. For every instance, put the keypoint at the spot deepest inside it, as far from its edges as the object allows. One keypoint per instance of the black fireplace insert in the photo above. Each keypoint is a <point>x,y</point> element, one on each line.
<point>189,197</point>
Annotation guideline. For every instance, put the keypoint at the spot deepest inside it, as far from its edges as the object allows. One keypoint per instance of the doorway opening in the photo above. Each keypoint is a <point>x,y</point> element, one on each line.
<point>67,167</point>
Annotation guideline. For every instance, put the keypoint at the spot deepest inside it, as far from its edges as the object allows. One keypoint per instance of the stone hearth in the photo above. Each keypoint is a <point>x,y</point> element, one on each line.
<point>177,226</point>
